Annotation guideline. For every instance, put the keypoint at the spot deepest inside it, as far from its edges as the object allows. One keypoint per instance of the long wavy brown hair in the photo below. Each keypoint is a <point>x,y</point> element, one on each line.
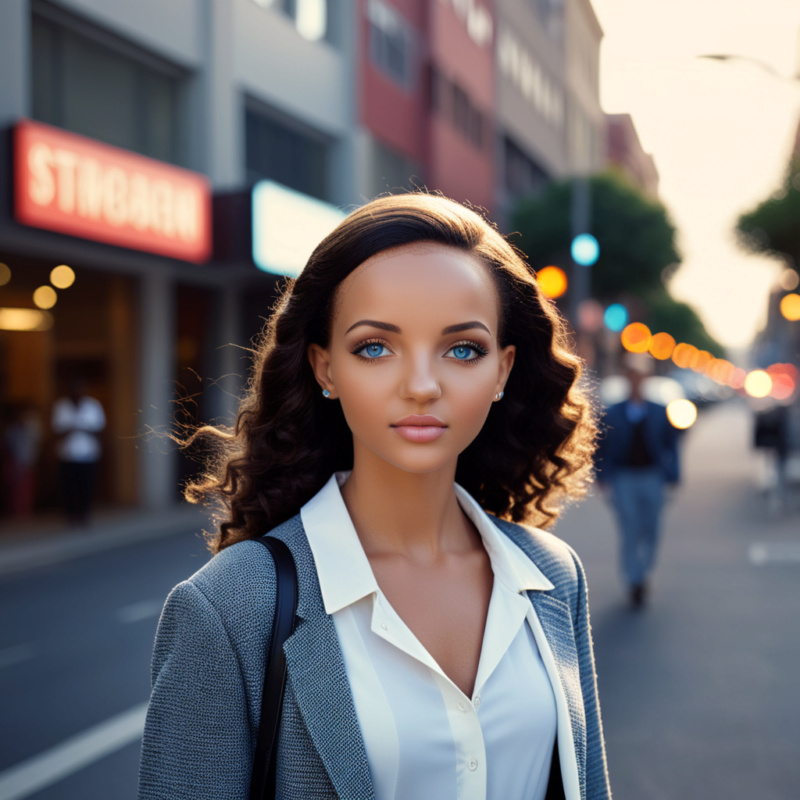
<point>532,454</point>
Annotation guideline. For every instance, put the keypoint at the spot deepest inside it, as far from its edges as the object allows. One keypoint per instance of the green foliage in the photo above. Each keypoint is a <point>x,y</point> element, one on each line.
<point>773,227</point>
<point>664,313</point>
<point>636,237</point>
<point>638,254</point>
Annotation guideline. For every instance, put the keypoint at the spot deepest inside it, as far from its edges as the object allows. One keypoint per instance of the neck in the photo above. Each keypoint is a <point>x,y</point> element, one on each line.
<point>407,514</point>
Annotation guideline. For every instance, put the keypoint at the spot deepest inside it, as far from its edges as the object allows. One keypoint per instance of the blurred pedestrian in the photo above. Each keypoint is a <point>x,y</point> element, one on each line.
<point>771,433</point>
<point>77,420</point>
<point>22,437</point>
<point>440,651</point>
<point>637,461</point>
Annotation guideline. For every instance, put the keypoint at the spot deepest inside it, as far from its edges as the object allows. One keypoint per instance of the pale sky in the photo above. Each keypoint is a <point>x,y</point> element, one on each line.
<point>720,133</point>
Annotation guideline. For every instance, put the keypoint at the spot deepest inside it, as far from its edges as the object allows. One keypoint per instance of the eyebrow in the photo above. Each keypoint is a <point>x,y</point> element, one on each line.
<point>387,326</point>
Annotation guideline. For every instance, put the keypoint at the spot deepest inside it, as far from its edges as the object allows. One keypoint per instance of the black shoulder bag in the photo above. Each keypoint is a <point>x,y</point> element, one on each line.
<point>262,779</point>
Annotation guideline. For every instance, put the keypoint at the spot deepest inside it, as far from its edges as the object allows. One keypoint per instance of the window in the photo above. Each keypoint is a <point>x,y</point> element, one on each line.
<point>286,152</point>
<point>83,86</point>
<point>523,176</point>
<point>391,43</point>
<point>454,104</point>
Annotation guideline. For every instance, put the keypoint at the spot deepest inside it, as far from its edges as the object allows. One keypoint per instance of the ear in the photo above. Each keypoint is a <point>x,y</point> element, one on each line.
<point>320,360</point>
<point>507,355</point>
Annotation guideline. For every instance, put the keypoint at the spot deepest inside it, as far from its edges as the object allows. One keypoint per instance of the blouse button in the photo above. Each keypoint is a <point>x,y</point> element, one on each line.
<point>462,707</point>
<point>472,765</point>
<point>477,701</point>
<point>384,626</point>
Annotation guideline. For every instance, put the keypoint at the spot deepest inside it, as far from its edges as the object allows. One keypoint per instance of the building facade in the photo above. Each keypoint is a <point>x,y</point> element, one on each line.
<point>626,154</point>
<point>531,99</point>
<point>585,119</point>
<point>181,157</point>
<point>128,100</point>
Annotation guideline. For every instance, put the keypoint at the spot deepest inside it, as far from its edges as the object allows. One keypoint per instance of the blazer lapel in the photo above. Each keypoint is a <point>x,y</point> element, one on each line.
<point>556,622</point>
<point>318,678</point>
<point>322,691</point>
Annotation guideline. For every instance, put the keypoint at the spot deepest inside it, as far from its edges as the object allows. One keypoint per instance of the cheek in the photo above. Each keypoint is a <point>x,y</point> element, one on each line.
<point>472,398</point>
<point>362,390</point>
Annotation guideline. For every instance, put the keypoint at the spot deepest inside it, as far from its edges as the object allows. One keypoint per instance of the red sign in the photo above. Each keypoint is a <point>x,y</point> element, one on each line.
<point>67,183</point>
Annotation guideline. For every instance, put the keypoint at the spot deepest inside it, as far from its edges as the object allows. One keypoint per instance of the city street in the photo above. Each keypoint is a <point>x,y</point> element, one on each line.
<point>698,689</point>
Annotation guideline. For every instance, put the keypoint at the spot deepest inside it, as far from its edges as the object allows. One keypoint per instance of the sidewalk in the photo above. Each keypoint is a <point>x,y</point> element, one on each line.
<point>28,544</point>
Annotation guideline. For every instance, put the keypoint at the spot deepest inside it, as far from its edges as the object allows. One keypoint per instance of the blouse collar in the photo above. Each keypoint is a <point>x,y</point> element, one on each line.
<point>345,574</point>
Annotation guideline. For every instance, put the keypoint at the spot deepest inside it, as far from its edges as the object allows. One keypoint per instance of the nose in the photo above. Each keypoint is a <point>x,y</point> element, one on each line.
<point>420,381</point>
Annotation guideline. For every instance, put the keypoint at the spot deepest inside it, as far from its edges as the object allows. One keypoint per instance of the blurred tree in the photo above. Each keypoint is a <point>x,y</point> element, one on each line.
<point>773,226</point>
<point>638,254</point>
<point>636,237</point>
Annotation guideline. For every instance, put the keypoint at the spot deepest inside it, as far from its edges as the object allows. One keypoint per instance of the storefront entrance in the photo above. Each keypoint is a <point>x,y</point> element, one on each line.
<point>90,335</point>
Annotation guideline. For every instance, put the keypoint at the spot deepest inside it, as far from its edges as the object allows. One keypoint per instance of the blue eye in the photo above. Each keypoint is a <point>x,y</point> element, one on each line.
<point>462,352</point>
<point>372,350</point>
<point>467,352</point>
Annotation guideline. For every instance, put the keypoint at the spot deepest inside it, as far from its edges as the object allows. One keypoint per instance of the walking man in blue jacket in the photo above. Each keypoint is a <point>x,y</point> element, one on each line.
<point>636,461</point>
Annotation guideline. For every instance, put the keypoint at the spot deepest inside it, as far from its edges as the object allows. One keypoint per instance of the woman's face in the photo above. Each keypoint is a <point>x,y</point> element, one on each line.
<point>413,356</point>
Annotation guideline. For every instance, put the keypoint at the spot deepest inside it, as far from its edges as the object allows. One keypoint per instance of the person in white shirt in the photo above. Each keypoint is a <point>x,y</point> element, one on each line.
<point>411,380</point>
<point>77,421</point>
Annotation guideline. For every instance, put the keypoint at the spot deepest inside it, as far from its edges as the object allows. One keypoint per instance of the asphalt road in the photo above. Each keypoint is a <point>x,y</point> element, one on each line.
<point>698,690</point>
<point>75,644</point>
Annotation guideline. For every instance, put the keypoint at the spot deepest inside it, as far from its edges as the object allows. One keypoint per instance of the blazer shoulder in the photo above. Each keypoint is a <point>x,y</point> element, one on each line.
<point>238,586</point>
<point>553,556</point>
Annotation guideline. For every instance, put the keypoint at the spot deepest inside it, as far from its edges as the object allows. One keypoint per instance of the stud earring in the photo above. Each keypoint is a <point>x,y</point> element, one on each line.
<point>499,396</point>
<point>326,393</point>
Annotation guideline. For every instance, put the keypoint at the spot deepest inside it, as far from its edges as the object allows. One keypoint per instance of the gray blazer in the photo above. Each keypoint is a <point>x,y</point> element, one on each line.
<point>208,670</point>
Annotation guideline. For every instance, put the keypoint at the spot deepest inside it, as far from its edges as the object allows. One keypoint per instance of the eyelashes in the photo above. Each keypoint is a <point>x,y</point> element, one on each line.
<point>366,350</point>
<point>480,351</point>
<point>467,351</point>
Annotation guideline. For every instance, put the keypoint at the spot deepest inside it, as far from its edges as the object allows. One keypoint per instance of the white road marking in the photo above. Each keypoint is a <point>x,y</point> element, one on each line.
<point>761,553</point>
<point>16,653</point>
<point>72,755</point>
<point>139,611</point>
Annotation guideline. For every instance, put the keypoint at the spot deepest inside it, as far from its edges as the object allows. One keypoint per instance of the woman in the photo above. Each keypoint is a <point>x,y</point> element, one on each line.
<point>411,379</point>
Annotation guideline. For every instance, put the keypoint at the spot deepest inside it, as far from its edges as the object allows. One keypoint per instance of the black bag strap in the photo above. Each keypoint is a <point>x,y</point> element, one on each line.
<point>262,780</point>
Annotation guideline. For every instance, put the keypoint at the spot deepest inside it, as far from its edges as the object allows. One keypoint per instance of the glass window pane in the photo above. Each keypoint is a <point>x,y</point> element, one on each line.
<point>99,93</point>
<point>159,116</point>
<point>44,59</point>
<point>286,155</point>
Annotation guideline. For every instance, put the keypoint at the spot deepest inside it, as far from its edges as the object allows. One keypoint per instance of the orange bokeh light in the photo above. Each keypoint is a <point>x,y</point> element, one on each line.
<point>701,360</point>
<point>552,281</point>
<point>683,354</point>
<point>661,346</point>
<point>790,307</point>
<point>636,338</point>
<point>720,370</point>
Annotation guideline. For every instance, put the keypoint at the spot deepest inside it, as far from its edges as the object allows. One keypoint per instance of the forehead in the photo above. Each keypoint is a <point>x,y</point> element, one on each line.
<point>420,280</point>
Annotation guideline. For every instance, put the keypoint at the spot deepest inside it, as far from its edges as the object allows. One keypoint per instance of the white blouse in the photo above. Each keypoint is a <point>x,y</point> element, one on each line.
<point>425,739</point>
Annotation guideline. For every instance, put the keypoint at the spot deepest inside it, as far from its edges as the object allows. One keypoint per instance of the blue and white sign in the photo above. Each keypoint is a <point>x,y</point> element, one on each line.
<point>287,226</point>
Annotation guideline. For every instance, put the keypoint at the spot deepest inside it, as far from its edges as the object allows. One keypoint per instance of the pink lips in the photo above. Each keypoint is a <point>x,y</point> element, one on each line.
<point>420,427</point>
